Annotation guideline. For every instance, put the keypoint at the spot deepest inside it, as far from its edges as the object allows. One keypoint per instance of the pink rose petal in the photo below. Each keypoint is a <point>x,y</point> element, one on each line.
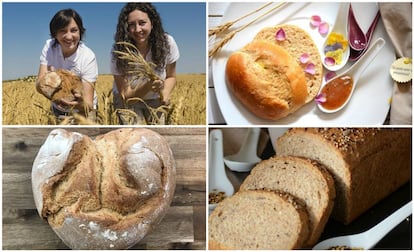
<point>280,35</point>
<point>329,75</point>
<point>304,58</point>
<point>310,68</point>
<point>329,61</point>
<point>320,98</point>
<point>315,21</point>
<point>323,28</point>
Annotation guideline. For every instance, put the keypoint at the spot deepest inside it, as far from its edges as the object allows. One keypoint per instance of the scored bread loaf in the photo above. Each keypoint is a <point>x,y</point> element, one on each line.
<point>258,219</point>
<point>106,193</point>
<point>60,84</point>
<point>266,80</point>
<point>305,179</point>
<point>297,43</point>
<point>367,164</point>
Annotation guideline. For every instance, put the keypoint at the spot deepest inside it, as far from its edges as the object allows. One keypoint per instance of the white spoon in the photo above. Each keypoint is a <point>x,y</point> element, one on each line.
<point>355,72</point>
<point>369,238</point>
<point>218,181</point>
<point>246,158</point>
<point>340,26</point>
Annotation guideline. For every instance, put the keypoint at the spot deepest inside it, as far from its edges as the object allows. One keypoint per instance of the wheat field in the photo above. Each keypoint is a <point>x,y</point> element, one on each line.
<point>23,105</point>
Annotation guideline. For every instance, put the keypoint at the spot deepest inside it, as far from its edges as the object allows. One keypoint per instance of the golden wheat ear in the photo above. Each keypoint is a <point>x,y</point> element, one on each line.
<point>138,67</point>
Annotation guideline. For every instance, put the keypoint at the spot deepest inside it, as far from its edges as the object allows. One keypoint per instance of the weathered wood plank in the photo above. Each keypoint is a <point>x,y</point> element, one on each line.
<point>31,232</point>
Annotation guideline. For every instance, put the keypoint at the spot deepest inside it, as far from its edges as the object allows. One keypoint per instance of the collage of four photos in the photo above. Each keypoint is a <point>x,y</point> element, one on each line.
<point>209,125</point>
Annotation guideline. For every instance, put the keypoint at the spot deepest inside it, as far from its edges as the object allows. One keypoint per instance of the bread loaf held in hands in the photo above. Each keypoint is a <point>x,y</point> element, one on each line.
<point>61,84</point>
<point>106,193</point>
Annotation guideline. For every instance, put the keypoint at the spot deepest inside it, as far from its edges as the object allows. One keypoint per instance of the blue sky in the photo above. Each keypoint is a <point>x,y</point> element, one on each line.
<point>25,28</point>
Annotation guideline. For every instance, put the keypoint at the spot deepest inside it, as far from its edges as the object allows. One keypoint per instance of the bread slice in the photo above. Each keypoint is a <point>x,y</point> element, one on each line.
<point>258,219</point>
<point>297,42</point>
<point>303,178</point>
<point>367,164</point>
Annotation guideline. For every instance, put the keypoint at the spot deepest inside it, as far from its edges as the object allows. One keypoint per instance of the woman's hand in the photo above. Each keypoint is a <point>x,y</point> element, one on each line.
<point>157,85</point>
<point>65,103</point>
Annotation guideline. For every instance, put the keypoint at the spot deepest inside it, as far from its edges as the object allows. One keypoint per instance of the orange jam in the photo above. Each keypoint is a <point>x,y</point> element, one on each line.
<point>337,92</point>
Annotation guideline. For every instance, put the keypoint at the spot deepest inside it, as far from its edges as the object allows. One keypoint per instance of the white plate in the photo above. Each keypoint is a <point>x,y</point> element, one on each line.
<point>370,102</point>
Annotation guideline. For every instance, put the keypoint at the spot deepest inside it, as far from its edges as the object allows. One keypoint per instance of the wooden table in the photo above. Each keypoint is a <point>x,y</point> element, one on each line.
<point>184,226</point>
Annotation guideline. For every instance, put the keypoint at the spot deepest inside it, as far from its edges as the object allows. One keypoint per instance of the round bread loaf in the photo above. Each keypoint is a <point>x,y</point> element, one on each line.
<point>258,219</point>
<point>266,80</point>
<point>298,42</point>
<point>106,193</point>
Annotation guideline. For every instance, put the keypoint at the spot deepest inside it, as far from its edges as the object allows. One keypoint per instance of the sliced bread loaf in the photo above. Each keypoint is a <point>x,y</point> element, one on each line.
<point>303,178</point>
<point>297,43</point>
<point>258,219</point>
<point>367,164</point>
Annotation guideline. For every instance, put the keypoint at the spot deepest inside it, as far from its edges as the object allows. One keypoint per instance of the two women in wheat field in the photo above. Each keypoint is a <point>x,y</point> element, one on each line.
<point>142,92</point>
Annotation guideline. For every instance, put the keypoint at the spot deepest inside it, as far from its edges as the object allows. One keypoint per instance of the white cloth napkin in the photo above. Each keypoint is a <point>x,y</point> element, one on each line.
<point>397,19</point>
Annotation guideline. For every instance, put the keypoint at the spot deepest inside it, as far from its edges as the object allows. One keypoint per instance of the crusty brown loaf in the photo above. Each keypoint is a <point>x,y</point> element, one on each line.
<point>298,42</point>
<point>60,84</point>
<point>303,178</point>
<point>266,80</point>
<point>105,193</point>
<point>258,219</point>
<point>367,163</point>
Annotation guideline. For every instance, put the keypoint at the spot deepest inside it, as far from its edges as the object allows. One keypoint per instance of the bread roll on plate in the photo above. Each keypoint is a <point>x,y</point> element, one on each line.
<point>106,193</point>
<point>266,80</point>
<point>298,42</point>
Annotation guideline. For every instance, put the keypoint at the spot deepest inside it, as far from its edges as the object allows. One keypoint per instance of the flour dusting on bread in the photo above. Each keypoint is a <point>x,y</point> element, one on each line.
<point>106,193</point>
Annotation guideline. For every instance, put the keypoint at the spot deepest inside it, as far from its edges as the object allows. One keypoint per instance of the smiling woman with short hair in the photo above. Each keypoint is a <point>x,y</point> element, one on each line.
<point>65,50</point>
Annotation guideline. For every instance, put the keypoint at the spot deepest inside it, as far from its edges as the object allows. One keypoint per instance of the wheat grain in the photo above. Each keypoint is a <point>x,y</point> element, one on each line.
<point>224,27</point>
<point>218,45</point>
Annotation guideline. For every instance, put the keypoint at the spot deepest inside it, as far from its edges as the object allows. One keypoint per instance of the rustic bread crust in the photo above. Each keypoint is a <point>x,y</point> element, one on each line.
<point>106,193</point>
<point>60,84</point>
<point>367,164</point>
<point>266,80</point>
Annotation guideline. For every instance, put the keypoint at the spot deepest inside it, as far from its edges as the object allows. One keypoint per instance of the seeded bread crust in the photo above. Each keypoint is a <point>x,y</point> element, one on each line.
<point>298,42</point>
<point>106,193</point>
<point>258,219</point>
<point>305,179</point>
<point>367,164</point>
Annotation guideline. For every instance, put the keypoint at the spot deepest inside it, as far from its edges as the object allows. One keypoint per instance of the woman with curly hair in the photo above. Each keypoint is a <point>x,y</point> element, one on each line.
<point>140,25</point>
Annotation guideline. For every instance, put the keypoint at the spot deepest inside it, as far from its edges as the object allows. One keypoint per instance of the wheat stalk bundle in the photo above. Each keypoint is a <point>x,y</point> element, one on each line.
<point>218,45</point>
<point>224,27</point>
<point>138,68</point>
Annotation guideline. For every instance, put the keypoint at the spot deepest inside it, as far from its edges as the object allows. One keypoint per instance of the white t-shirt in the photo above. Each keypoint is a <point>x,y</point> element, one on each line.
<point>171,57</point>
<point>82,62</point>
